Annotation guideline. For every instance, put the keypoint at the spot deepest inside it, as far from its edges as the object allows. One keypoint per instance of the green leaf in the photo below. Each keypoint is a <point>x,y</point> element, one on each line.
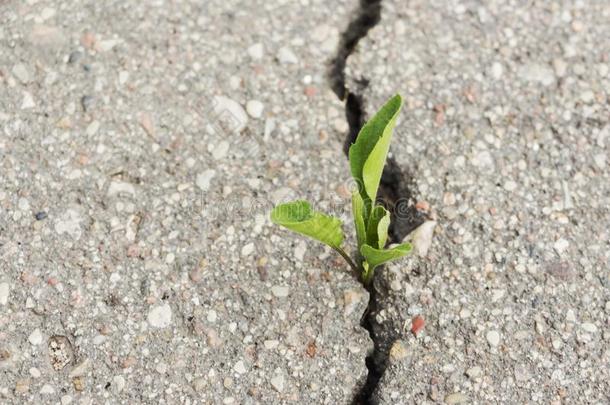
<point>368,154</point>
<point>358,211</point>
<point>299,217</point>
<point>377,227</point>
<point>375,257</point>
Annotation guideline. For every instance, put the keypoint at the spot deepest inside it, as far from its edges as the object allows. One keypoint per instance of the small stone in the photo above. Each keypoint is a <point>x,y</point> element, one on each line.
<point>199,384</point>
<point>239,367</point>
<point>92,128</point>
<point>456,398</point>
<point>255,108</point>
<point>21,73</point>
<point>35,337</point>
<point>537,73</point>
<point>248,249</point>
<point>561,245</point>
<point>66,399</point>
<point>474,372</point>
<point>497,70</point>
<point>417,324</point>
<point>4,293</point>
<point>35,373</point>
<point>271,344</point>
<point>280,291</point>
<point>493,338</point>
<point>47,390</point>
<point>204,178</point>
<point>398,351</point>
<point>286,56</point>
<point>229,116</point>
<point>589,327</point>
<point>40,215</point>
<point>146,122</point>
<point>118,188</point>
<point>22,386</point>
<point>60,352</point>
<point>119,383</point>
<point>422,238</point>
<point>160,316</point>
<point>510,185</point>
<point>256,51</point>
<point>220,151</point>
<point>278,382</point>
<point>28,101</point>
<point>80,369</point>
<point>212,316</point>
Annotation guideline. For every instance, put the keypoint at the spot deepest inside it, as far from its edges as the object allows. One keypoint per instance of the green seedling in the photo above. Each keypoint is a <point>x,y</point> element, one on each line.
<point>367,158</point>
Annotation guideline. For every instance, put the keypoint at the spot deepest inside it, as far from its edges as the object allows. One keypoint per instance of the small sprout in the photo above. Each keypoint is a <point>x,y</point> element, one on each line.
<point>367,158</point>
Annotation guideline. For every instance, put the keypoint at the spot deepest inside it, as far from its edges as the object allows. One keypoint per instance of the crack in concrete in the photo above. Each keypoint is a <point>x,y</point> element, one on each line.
<point>397,187</point>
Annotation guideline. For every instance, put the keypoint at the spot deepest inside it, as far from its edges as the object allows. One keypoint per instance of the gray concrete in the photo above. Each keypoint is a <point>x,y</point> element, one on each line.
<point>141,146</point>
<point>506,131</point>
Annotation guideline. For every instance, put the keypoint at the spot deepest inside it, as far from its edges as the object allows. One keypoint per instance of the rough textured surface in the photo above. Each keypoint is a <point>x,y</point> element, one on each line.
<point>506,128</point>
<point>141,146</point>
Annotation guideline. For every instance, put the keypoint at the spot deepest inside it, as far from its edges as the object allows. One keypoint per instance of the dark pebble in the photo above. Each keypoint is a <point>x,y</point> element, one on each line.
<point>74,57</point>
<point>86,102</point>
<point>40,215</point>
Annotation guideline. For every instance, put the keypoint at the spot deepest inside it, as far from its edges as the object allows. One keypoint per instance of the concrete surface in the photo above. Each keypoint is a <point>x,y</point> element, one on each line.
<point>141,146</point>
<point>506,131</point>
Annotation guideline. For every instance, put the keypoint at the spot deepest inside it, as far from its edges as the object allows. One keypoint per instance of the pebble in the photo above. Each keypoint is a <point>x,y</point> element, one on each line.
<point>35,337</point>
<point>204,178</point>
<point>212,316</point>
<point>497,70</point>
<point>537,73</point>
<point>493,338</point>
<point>120,188</point>
<point>589,327</point>
<point>80,369</point>
<point>474,372</point>
<point>422,238</point>
<point>255,108</point>
<point>256,51</point>
<point>4,293</point>
<point>561,245</point>
<point>280,291</point>
<point>21,73</point>
<point>160,316</point>
<point>28,101</point>
<point>278,382</point>
<point>240,368</point>
<point>248,249</point>
<point>456,398</point>
<point>220,151</point>
<point>119,383</point>
<point>286,56</point>
<point>230,114</point>
<point>47,390</point>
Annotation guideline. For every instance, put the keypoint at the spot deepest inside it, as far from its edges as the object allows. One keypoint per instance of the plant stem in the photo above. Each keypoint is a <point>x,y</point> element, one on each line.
<point>348,260</point>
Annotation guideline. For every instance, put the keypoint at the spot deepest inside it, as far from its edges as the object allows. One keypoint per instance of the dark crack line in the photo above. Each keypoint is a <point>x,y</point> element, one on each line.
<point>397,188</point>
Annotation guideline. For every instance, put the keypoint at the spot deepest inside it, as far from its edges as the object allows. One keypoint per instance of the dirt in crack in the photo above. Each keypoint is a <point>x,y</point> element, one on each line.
<point>397,187</point>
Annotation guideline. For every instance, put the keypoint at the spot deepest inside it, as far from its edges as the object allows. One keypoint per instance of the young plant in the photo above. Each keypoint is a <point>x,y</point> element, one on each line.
<point>367,158</point>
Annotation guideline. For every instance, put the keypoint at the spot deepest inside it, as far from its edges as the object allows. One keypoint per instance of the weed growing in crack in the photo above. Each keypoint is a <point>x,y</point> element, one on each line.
<point>367,157</point>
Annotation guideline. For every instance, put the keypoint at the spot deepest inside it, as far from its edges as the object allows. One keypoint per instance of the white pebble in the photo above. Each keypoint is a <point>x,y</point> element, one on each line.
<point>240,367</point>
<point>278,382</point>
<point>28,101</point>
<point>589,327</point>
<point>4,293</point>
<point>204,178</point>
<point>35,337</point>
<point>21,73</point>
<point>422,238</point>
<point>493,338</point>
<point>256,51</point>
<point>255,108</point>
<point>160,316</point>
<point>212,316</point>
<point>561,245</point>
<point>247,250</point>
<point>286,56</point>
<point>497,70</point>
<point>280,291</point>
